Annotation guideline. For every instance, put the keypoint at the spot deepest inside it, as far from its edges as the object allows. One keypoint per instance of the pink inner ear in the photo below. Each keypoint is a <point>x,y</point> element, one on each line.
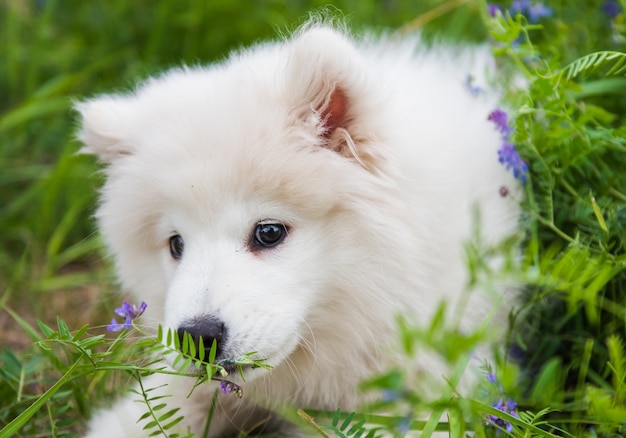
<point>334,115</point>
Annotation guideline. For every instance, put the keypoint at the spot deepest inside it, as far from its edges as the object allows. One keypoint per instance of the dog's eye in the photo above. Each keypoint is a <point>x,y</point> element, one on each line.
<point>267,235</point>
<point>177,246</point>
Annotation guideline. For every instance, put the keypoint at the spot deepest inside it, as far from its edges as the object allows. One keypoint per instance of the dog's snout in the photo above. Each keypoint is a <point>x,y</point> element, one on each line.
<point>209,329</point>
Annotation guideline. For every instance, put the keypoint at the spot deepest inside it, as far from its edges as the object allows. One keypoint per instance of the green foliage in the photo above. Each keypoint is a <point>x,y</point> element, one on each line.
<point>161,422</point>
<point>88,355</point>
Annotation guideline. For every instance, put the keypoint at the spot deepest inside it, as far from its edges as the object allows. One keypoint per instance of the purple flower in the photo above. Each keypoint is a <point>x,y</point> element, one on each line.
<point>129,313</point>
<point>501,119</point>
<point>225,387</point>
<point>507,406</point>
<point>504,404</point>
<point>534,10</point>
<point>507,154</point>
<point>230,388</point>
<point>492,9</point>
<point>611,8</point>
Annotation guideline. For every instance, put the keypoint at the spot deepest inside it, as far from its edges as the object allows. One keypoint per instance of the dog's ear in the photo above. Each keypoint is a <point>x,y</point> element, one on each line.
<point>103,129</point>
<point>325,85</point>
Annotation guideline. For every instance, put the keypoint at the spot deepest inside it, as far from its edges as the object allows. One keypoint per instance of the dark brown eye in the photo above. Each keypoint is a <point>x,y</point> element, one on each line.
<point>177,246</point>
<point>268,235</point>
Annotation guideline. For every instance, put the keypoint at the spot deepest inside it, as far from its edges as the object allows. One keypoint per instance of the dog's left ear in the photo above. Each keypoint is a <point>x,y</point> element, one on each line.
<point>326,84</point>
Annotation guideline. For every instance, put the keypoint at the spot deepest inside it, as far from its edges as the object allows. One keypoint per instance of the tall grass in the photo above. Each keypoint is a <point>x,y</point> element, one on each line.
<point>569,372</point>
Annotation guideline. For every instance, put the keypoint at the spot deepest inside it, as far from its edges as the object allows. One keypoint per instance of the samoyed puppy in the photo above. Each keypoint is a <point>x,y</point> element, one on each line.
<point>292,201</point>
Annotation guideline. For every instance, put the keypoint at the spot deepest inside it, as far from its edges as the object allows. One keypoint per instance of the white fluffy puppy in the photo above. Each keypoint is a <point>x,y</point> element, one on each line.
<point>293,200</point>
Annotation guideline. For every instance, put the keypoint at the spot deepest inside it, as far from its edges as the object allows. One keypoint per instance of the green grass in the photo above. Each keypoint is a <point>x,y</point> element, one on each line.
<point>569,127</point>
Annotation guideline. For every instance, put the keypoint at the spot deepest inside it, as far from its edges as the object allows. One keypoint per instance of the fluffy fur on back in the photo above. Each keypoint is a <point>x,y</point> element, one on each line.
<point>369,154</point>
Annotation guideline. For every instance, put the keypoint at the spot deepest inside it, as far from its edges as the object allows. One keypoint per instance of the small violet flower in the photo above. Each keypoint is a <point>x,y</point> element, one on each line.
<point>230,388</point>
<point>129,313</point>
<point>492,9</point>
<point>507,154</point>
<point>534,10</point>
<point>504,404</point>
<point>501,119</point>
<point>611,8</point>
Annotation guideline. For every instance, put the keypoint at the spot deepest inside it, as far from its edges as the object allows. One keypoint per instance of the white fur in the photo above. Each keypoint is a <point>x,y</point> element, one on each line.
<point>378,208</point>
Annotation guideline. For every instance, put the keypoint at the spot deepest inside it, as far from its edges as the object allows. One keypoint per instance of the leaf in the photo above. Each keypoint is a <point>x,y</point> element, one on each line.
<point>617,365</point>
<point>144,416</point>
<point>185,345</point>
<point>91,342</point>
<point>64,331</point>
<point>159,336</point>
<point>192,346</point>
<point>177,360</point>
<point>598,213</point>
<point>347,421</point>
<point>175,339</point>
<point>456,423</point>
<point>213,351</point>
<point>168,414</point>
<point>173,423</point>
<point>357,428</point>
<point>201,351</point>
<point>547,383</point>
<point>336,417</point>
<point>81,331</point>
<point>46,330</point>
<point>150,425</point>
<point>616,61</point>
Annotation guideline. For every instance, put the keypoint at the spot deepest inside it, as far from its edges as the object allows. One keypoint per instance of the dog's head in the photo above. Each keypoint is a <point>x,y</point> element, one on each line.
<point>249,202</point>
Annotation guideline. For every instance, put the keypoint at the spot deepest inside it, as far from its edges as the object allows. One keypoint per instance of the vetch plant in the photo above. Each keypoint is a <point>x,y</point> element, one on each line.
<point>567,122</point>
<point>534,10</point>
<point>507,154</point>
<point>129,313</point>
<point>504,404</point>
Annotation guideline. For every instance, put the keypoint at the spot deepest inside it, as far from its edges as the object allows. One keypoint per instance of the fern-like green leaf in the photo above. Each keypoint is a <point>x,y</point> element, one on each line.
<point>346,422</point>
<point>175,339</point>
<point>173,423</point>
<point>201,351</point>
<point>192,346</point>
<point>159,407</point>
<point>614,61</point>
<point>64,331</point>
<point>46,330</point>
<point>79,334</point>
<point>213,351</point>
<point>168,415</point>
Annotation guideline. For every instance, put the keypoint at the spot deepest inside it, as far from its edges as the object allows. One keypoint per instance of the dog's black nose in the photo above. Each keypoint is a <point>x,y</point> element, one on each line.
<point>209,329</point>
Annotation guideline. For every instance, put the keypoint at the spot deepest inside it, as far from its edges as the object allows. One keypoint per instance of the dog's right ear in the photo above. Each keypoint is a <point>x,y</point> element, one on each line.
<point>327,86</point>
<point>104,127</point>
